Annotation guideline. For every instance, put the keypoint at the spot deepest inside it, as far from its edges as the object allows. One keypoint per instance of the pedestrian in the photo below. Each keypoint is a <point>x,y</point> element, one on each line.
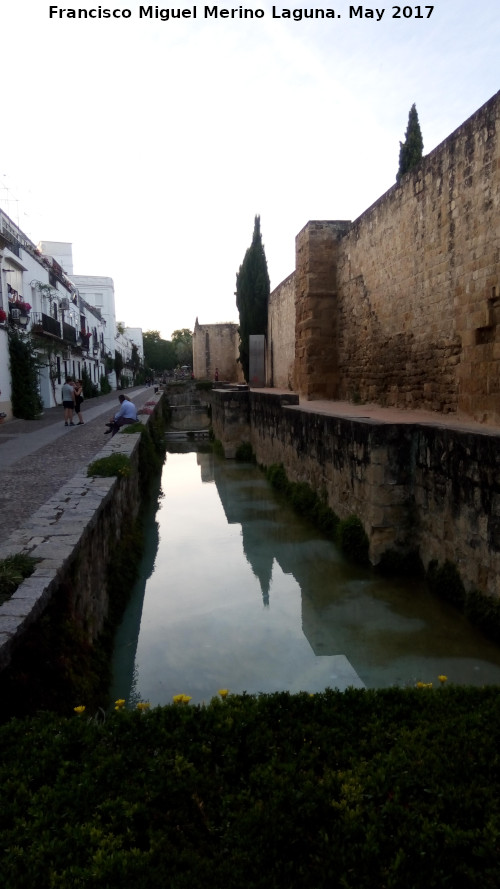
<point>78,401</point>
<point>127,413</point>
<point>68,400</point>
<point>216,375</point>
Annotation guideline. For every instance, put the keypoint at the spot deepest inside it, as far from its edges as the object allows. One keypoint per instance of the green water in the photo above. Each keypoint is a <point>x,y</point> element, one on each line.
<point>237,592</point>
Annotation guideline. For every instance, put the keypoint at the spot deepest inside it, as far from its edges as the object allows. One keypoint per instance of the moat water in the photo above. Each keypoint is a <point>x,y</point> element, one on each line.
<point>237,591</point>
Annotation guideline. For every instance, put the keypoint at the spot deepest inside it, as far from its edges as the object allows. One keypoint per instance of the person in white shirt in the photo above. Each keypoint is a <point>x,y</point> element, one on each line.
<point>127,413</point>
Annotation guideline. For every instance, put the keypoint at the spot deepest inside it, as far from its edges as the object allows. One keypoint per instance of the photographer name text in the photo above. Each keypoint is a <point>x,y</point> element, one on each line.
<point>240,12</point>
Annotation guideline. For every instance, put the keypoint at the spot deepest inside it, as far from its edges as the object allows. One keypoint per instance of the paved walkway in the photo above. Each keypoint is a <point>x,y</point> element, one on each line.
<point>38,456</point>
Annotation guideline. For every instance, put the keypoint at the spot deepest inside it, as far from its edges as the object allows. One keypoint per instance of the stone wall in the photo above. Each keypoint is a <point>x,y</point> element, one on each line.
<point>418,278</point>
<point>402,307</point>
<point>216,346</point>
<point>316,321</point>
<point>280,354</point>
<point>414,486</point>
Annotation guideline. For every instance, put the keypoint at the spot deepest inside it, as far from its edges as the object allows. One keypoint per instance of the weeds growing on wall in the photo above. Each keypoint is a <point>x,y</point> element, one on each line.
<point>244,453</point>
<point>353,540</point>
<point>107,467</point>
<point>305,501</point>
<point>13,570</point>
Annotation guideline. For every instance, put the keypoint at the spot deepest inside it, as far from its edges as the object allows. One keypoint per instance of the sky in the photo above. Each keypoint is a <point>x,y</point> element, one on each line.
<point>151,143</point>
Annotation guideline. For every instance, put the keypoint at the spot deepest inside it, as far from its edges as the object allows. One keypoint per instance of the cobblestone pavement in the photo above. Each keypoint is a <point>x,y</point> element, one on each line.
<point>39,456</point>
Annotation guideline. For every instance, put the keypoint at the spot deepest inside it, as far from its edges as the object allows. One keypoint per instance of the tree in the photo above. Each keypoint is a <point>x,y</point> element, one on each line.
<point>252,295</point>
<point>159,355</point>
<point>410,151</point>
<point>183,342</point>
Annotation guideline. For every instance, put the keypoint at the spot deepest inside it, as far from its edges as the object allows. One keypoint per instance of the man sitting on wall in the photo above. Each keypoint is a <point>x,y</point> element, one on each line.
<point>127,413</point>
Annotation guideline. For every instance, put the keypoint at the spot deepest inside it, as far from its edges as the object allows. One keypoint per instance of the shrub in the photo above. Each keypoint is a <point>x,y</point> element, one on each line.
<point>353,540</point>
<point>277,477</point>
<point>244,453</point>
<point>105,385</point>
<point>444,580</point>
<point>106,467</point>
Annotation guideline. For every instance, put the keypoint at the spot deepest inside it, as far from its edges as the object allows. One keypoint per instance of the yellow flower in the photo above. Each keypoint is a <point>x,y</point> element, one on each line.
<point>143,705</point>
<point>420,685</point>
<point>181,699</point>
<point>223,692</point>
<point>80,709</point>
<point>120,703</point>
<point>442,678</point>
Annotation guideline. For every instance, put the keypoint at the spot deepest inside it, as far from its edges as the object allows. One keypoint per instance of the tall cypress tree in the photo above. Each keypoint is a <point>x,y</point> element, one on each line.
<point>252,295</point>
<point>410,151</point>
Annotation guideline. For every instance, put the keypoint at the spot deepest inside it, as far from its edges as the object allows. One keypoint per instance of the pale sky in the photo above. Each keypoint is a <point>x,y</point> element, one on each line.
<point>151,145</point>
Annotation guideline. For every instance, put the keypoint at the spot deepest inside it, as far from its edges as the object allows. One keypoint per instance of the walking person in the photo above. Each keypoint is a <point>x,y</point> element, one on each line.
<point>127,413</point>
<point>68,400</point>
<point>78,401</point>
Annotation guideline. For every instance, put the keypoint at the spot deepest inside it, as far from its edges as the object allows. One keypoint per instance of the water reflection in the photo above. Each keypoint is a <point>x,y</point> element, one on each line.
<point>244,595</point>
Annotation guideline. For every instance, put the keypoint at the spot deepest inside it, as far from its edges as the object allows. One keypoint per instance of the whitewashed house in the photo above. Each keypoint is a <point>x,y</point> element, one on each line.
<point>37,297</point>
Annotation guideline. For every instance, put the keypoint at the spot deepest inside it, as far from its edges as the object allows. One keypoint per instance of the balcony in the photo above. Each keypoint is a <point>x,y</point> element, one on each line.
<point>43,323</point>
<point>69,333</point>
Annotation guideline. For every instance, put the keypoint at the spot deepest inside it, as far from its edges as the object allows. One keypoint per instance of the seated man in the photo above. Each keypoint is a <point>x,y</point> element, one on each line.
<point>127,413</point>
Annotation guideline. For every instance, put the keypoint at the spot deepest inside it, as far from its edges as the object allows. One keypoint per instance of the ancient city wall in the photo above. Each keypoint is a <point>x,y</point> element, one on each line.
<point>280,353</point>
<point>216,346</point>
<point>418,282</point>
<point>414,486</point>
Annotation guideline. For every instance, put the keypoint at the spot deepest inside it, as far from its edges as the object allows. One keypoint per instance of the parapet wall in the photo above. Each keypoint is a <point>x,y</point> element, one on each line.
<point>420,487</point>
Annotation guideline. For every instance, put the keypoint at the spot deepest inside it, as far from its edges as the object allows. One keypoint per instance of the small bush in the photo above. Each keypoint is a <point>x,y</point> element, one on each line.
<point>244,453</point>
<point>13,570</point>
<point>277,477</point>
<point>106,467</point>
<point>353,540</point>
<point>444,580</point>
<point>105,385</point>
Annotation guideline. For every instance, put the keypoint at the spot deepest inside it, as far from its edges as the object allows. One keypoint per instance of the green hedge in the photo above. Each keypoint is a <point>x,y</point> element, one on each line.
<point>395,788</point>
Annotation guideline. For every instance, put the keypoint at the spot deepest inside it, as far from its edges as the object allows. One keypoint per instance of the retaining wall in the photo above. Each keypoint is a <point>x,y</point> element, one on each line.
<point>73,535</point>
<point>421,487</point>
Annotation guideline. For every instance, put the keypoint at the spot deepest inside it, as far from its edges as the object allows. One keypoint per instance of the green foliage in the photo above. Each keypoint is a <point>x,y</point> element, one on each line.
<point>218,448</point>
<point>244,453</point>
<point>394,788</point>
<point>118,362</point>
<point>182,341</point>
<point>277,477</point>
<point>410,151</point>
<point>445,581</point>
<point>106,467</point>
<point>13,570</point>
<point>25,397</point>
<point>159,354</point>
<point>304,500</point>
<point>252,295</point>
<point>133,427</point>
<point>105,385</point>
<point>90,389</point>
<point>353,540</point>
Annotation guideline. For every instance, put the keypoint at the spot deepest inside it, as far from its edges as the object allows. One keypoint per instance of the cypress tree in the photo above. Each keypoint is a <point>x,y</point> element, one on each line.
<point>252,295</point>
<point>410,151</point>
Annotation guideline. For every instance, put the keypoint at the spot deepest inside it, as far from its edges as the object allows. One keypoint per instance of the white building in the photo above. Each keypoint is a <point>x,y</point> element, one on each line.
<point>38,297</point>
